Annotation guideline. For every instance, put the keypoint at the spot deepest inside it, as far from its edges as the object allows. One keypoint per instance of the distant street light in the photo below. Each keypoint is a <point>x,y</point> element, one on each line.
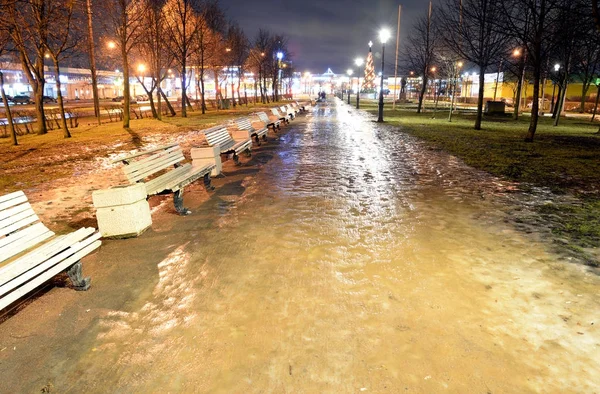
<point>111,45</point>
<point>359,62</point>
<point>384,35</point>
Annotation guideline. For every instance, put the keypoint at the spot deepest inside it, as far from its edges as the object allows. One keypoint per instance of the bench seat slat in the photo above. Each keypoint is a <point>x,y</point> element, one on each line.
<point>164,182</point>
<point>34,230</point>
<point>42,253</point>
<point>191,174</point>
<point>23,244</point>
<point>26,273</point>
<point>58,268</point>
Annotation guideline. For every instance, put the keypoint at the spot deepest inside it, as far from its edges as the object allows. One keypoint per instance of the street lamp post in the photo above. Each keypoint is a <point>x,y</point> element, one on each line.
<point>359,62</point>
<point>278,88</point>
<point>349,72</point>
<point>556,69</point>
<point>457,70</point>
<point>384,35</point>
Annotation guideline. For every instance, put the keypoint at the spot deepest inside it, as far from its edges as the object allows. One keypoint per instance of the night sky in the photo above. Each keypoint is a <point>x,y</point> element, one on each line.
<point>327,33</point>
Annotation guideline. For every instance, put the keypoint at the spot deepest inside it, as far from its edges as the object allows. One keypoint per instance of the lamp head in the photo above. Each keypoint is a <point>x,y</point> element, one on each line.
<point>349,72</point>
<point>359,61</point>
<point>370,44</point>
<point>279,55</point>
<point>384,35</point>
<point>556,67</point>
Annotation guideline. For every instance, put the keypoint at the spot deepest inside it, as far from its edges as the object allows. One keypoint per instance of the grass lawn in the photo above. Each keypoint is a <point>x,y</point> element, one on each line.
<point>565,159</point>
<point>42,158</point>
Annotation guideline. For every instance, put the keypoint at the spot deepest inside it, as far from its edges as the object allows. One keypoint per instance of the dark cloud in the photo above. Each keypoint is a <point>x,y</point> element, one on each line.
<point>325,33</point>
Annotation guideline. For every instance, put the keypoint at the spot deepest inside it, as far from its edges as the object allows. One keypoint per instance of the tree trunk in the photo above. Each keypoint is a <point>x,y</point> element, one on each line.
<point>584,89</point>
<point>422,94</point>
<point>535,107</point>
<point>561,103</point>
<point>183,90</point>
<point>158,97</point>
<point>93,61</point>
<point>169,106</point>
<point>11,125</point>
<point>126,94</point>
<point>557,102</point>
<point>61,105</point>
<point>519,92</point>
<point>39,96</point>
<point>596,104</point>
<point>479,117</point>
<point>202,94</point>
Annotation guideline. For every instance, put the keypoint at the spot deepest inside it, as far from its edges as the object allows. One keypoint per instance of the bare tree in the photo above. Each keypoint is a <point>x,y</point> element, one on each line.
<point>207,42</point>
<point>239,48</point>
<point>123,20</point>
<point>63,38</point>
<point>28,28</point>
<point>420,51</point>
<point>181,27</point>
<point>470,30</point>
<point>5,47</point>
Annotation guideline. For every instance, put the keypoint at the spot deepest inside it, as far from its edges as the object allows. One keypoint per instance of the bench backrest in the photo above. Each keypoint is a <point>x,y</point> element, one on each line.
<point>263,117</point>
<point>153,162</point>
<point>244,123</point>
<point>217,136</point>
<point>275,112</point>
<point>284,109</point>
<point>20,227</point>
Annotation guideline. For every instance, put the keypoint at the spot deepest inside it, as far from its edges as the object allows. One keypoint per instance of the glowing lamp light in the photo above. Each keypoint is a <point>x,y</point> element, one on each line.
<point>517,52</point>
<point>459,64</point>
<point>279,55</point>
<point>359,61</point>
<point>556,67</point>
<point>111,45</point>
<point>370,44</point>
<point>141,68</point>
<point>384,35</point>
<point>349,72</point>
<point>433,69</point>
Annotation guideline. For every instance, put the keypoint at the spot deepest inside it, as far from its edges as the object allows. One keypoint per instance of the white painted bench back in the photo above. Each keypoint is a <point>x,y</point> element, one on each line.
<point>244,123</point>
<point>20,227</point>
<point>263,117</point>
<point>153,163</point>
<point>218,136</point>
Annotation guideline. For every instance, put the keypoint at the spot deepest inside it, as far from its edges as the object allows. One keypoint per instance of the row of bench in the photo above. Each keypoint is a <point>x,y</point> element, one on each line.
<point>31,254</point>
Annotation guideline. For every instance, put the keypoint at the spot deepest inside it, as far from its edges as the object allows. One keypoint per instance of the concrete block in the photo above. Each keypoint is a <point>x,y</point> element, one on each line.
<point>122,212</point>
<point>210,155</point>
<point>119,195</point>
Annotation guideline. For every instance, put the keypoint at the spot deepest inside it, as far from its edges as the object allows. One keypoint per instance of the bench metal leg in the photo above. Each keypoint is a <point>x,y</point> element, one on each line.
<point>248,153</point>
<point>236,159</point>
<point>264,137</point>
<point>75,274</point>
<point>178,202</point>
<point>207,184</point>
<point>257,139</point>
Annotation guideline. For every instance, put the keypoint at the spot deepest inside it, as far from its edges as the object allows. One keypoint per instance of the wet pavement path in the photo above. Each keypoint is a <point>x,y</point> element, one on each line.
<point>354,260</point>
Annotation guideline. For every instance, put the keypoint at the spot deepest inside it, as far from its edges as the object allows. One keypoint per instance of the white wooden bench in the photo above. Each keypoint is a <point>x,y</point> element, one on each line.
<point>275,125</point>
<point>31,254</point>
<point>245,124</point>
<point>285,110</point>
<point>299,107</point>
<point>284,118</point>
<point>151,168</point>
<point>219,136</point>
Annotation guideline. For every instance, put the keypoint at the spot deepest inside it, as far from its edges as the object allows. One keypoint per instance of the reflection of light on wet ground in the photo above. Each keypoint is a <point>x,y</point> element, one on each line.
<point>356,259</point>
